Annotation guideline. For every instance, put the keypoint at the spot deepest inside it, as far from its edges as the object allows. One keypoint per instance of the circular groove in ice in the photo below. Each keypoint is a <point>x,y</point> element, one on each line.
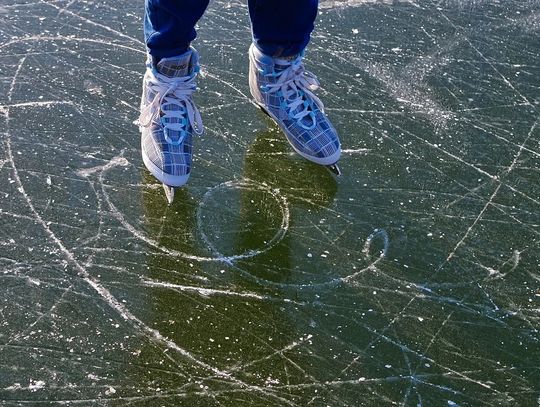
<point>218,257</point>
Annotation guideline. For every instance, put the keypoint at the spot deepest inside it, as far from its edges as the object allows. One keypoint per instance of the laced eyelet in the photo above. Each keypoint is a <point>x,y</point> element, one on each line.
<point>174,142</point>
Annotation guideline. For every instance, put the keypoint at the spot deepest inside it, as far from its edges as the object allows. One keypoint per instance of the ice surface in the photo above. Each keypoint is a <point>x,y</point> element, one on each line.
<point>414,279</point>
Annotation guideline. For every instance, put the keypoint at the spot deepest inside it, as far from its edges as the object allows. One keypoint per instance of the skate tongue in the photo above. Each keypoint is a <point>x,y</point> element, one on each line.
<point>286,59</point>
<point>283,63</point>
<point>280,64</point>
<point>181,65</point>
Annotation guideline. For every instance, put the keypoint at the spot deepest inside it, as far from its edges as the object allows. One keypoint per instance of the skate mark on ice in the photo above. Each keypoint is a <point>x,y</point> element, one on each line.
<point>280,234</point>
<point>139,326</point>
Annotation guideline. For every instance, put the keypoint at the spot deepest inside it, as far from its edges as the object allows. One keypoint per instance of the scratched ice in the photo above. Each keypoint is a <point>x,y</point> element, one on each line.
<point>411,280</point>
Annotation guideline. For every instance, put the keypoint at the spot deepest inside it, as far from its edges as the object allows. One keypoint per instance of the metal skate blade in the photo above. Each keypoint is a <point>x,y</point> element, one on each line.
<point>262,109</point>
<point>169,193</point>
<point>334,168</point>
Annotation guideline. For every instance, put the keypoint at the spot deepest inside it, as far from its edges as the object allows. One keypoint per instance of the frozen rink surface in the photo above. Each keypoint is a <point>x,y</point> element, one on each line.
<point>412,280</point>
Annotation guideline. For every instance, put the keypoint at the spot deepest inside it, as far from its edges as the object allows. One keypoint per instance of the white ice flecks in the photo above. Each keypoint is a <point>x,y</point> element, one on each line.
<point>250,185</point>
<point>118,161</point>
<point>36,385</point>
<point>338,4</point>
<point>355,150</point>
<point>202,291</point>
<point>501,177</point>
<point>40,103</point>
<point>333,281</point>
<point>471,227</point>
<point>138,325</point>
<point>218,257</point>
<point>377,233</point>
<point>503,270</point>
<point>33,386</point>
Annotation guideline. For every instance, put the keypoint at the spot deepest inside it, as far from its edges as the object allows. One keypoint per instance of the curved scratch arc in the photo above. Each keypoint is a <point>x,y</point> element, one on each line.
<point>101,290</point>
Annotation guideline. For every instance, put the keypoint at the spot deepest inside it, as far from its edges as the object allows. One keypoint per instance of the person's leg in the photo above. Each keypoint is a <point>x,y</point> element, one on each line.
<point>279,82</point>
<point>169,26</point>
<point>169,118</point>
<point>282,28</point>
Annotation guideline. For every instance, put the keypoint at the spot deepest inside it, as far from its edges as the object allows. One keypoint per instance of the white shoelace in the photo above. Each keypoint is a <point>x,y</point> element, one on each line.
<point>297,86</point>
<point>172,92</point>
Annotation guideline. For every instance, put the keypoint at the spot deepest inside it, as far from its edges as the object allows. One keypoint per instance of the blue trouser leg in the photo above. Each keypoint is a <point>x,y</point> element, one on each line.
<point>280,27</point>
<point>169,25</point>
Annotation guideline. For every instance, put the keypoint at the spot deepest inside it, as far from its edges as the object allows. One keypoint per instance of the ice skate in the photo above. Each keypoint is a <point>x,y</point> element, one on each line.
<point>283,89</point>
<point>169,119</point>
